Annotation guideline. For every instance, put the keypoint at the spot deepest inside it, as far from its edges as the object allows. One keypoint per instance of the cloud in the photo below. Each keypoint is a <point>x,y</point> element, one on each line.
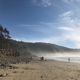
<point>66,28</point>
<point>73,36</point>
<point>67,14</point>
<point>39,27</point>
<point>78,0</point>
<point>70,27</point>
<point>69,1</point>
<point>42,3</point>
<point>46,40</point>
<point>26,25</point>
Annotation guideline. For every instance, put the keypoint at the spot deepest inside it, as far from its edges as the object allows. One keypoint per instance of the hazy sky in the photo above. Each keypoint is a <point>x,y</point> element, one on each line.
<point>50,21</point>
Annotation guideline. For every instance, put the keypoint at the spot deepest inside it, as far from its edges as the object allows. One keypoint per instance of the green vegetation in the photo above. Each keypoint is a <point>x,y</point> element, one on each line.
<point>4,38</point>
<point>40,48</point>
<point>10,48</point>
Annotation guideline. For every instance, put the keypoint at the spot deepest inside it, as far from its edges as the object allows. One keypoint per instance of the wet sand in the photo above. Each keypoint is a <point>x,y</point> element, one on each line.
<point>43,70</point>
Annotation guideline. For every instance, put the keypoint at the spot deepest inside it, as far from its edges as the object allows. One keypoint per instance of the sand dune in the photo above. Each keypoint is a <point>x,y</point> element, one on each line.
<point>46,70</point>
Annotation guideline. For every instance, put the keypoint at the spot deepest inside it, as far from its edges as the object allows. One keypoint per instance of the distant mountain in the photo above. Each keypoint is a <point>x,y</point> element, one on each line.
<point>38,49</point>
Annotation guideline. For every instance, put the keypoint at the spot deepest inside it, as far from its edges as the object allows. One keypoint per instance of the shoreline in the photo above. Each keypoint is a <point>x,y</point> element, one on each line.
<point>66,61</point>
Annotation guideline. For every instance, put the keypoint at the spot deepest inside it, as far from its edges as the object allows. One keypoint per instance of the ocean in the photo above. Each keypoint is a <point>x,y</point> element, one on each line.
<point>72,59</point>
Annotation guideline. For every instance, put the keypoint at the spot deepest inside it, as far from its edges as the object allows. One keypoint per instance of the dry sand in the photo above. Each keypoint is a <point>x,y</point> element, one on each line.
<point>46,70</point>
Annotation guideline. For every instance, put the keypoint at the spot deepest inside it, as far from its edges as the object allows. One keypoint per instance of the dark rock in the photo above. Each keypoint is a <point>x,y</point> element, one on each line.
<point>3,65</point>
<point>3,75</point>
<point>22,71</point>
<point>15,72</point>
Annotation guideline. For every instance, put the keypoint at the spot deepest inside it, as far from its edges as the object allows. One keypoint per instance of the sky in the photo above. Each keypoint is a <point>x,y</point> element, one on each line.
<point>49,21</point>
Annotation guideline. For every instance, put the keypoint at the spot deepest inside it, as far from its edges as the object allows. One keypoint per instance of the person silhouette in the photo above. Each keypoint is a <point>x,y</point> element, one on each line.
<point>69,59</point>
<point>42,58</point>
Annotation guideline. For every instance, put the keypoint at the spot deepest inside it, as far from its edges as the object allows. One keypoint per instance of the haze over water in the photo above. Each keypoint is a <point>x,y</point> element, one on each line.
<point>75,57</point>
<point>72,59</point>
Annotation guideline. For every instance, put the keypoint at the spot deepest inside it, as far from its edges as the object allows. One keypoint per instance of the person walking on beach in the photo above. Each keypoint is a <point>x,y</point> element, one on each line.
<point>42,58</point>
<point>69,59</point>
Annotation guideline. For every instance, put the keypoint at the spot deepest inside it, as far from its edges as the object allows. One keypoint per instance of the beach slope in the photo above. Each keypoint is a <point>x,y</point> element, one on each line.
<point>43,70</point>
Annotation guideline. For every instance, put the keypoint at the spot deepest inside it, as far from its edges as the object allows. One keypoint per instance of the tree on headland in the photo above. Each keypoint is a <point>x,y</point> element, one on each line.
<point>4,38</point>
<point>7,37</point>
<point>5,44</point>
<point>1,30</point>
<point>5,31</point>
<point>1,36</point>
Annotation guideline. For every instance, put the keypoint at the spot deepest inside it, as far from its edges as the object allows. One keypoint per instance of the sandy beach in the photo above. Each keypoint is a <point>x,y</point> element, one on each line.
<point>43,70</point>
